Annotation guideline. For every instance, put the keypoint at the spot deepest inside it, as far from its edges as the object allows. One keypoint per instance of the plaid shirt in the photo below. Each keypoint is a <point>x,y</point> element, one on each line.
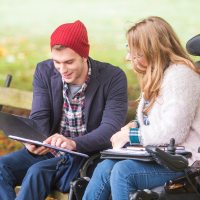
<point>73,114</point>
<point>135,136</point>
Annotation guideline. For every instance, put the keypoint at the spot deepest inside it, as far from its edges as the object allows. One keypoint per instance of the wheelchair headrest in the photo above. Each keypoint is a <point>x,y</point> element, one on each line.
<point>193,46</point>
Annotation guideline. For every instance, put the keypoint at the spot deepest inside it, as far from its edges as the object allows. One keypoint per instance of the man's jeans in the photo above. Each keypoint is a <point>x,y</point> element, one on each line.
<point>35,175</point>
<point>122,177</point>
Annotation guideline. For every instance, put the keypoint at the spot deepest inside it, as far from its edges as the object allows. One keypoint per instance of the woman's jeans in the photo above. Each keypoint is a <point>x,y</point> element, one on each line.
<point>35,175</point>
<point>120,178</point>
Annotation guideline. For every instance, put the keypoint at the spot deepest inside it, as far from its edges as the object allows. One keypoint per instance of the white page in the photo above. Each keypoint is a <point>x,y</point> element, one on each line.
<point>131,152</point>
<point>125,151</point>
<point>141,148</point>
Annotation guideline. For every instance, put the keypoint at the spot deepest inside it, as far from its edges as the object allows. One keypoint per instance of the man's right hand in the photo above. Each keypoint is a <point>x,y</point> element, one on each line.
<point>41,150</point>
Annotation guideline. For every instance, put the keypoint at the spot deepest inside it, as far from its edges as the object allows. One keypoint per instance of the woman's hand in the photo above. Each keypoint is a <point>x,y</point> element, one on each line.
<point>120,138</point>
<point>59,140</point>
<point>129,125</point>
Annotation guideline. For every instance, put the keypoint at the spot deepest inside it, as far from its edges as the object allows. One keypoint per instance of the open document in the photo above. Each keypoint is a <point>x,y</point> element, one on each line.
<point>140,155</point>
<point>123,153</point>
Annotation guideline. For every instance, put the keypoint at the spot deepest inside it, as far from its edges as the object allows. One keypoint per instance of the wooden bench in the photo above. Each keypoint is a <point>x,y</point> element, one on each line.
<point>23,99</point>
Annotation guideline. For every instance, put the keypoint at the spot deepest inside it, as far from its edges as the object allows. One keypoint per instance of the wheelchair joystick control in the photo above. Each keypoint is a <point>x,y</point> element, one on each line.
<point>171,149</point>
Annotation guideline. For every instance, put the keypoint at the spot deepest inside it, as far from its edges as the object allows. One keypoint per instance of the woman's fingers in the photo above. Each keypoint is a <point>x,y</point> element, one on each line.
<point>123,128</point>
<point>129,125</point>
<point>120,138</point>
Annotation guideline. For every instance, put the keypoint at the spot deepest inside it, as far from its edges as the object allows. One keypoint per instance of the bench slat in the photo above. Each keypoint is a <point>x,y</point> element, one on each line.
<point>53,194</point>
<point>16,98</point>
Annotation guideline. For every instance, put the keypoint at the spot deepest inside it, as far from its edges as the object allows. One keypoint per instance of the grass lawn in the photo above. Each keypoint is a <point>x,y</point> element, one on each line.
<point>26,25</point>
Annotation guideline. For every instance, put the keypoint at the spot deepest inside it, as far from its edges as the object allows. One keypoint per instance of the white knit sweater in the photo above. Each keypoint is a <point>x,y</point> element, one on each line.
<point>176,113</point>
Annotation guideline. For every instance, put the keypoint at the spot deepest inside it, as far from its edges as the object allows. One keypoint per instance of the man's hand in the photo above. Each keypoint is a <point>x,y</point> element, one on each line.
<point>61,141</point>
<point>120,138</point>
<point>42,150</point>
<point>129,125</point>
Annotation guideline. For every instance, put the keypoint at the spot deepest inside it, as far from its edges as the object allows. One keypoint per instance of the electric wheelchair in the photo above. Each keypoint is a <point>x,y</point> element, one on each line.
<point>186,187</point>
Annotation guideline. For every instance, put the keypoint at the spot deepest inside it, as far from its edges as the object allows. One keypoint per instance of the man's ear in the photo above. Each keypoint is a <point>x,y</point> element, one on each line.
<point>84,59</point>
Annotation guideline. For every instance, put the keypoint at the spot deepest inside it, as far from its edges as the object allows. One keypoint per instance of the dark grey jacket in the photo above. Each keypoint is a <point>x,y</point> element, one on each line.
<point>105,103</point>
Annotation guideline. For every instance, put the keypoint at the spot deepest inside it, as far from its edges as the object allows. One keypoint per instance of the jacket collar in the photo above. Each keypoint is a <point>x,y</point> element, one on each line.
<point>57,97</point>
<point>95,71</point>
<point>91,89</point>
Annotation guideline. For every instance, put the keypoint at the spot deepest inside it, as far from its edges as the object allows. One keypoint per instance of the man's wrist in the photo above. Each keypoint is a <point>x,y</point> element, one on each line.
<point>73,145</point>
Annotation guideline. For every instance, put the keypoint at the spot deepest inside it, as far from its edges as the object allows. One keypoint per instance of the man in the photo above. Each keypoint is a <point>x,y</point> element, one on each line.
<point>78,103</point>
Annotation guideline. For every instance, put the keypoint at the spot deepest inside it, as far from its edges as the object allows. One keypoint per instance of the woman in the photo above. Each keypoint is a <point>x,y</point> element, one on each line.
<point>169,108</point>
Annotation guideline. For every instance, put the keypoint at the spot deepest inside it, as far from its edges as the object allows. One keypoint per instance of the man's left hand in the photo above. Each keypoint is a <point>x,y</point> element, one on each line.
<point>61,141</point>
<point>120,138</point>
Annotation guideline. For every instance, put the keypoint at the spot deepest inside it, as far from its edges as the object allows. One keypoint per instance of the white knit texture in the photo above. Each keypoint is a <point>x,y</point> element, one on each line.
<point>176,113</point>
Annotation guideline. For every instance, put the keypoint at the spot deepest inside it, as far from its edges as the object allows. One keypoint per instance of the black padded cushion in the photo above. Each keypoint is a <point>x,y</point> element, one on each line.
<point>193,46</point>
<point>184,196</point>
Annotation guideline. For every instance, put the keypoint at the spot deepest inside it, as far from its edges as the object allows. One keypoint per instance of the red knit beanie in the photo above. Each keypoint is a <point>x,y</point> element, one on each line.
<point>72,35</point>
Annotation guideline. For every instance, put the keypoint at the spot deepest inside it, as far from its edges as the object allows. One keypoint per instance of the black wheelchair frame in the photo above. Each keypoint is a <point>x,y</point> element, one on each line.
<point>180,188</point>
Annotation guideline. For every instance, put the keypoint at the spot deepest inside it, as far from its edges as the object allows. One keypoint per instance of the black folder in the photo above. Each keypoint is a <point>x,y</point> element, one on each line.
<point>145,157</point>
<point>123,156</point>
<point>20,127</point>
<point>26,130</point>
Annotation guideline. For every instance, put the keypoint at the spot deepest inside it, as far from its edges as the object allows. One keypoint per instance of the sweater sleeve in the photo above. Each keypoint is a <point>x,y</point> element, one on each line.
<point>173,112</point>
<point>135,136</point>
<point>137,122</point>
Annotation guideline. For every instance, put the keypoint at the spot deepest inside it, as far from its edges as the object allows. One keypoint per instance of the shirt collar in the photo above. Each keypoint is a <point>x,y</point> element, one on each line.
<point>84,85</point>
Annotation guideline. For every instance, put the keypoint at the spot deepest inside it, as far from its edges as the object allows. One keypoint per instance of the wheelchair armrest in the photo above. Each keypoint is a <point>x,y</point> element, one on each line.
<point>183,177</point>
<point>87,163</point>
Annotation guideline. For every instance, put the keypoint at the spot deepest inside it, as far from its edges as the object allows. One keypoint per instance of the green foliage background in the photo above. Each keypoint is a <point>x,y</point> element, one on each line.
<point>26,26</point>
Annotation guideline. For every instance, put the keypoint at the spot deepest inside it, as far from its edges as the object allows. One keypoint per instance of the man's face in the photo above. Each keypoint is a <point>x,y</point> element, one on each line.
<point>72,67</point>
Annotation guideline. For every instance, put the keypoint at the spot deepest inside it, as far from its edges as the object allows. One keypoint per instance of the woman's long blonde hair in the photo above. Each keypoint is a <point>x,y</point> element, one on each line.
<point>159,45</point>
